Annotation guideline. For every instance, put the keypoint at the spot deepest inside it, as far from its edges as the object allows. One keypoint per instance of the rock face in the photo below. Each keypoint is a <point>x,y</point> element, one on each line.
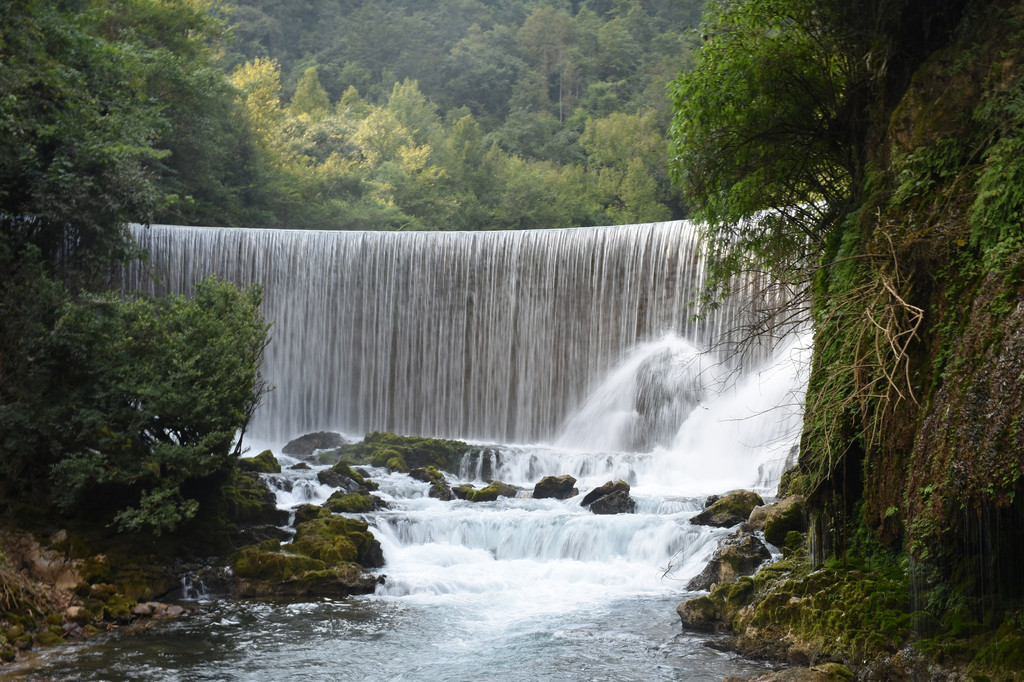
<point>785,516</point>
<point>729,510</point>
<point>558,487</point>
<point>618,502</point>
<point>735,557</point>
<point>307,444</point>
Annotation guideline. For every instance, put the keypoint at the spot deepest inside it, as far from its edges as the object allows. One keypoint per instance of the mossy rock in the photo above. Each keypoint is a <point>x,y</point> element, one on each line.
<point>785,516</point>
<point>728,510</point>
<point>379,448</point>
<point>557,487</point>
<point>308,512</point>
<point>602,490</point>
<point>338,539</point>
<point>119,607</point>
<point>340,581</point>
<point>351,503</point>
<point>428,474</point>
<point>246,500</point>
<point>835,672</point>
<point>700,614</point>
<point>48,638</point>
<point>488,493</point>
<point>263,463</point>
<point>7,653</point>
<point>735,557</point>
<point>308,443</point>
<point>344,469</point>
<point>397,463</point>
<point>253,563</point>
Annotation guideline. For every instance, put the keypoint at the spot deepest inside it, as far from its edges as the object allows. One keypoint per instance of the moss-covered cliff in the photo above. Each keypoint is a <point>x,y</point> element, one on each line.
<point>915,416</point>
<point>911,116</point>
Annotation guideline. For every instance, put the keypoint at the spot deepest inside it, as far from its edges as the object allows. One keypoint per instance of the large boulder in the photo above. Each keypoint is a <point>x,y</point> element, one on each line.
<point>700,614</point>
<point>757,517</point>
<point>263,463</point>
<point>785,516</point>
<point>728,510</point>
<point>337,539</point>
<point>558,487</point>
<point>311,442</point>
<point>262,572</point>
<point>618,502</point>
<point>402,453</point>
<point>353,503</point>
<point>735,557</point>
<point>335,479</point>
<point>602,490</point>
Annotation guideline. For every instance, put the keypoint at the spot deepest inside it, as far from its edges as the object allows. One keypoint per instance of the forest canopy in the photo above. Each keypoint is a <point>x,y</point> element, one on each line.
<point>355,115</point>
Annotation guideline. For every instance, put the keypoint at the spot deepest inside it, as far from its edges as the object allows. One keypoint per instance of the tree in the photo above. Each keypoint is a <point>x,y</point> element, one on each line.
<point>763,128</point>
<point>144,398</point>
<point>74,139</point>
<point>310,98</point>
<point>126,403</point>
<point>413,110</point>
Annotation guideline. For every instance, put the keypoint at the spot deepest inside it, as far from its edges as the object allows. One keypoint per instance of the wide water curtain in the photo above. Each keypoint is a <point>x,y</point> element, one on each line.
<point>493,336</point>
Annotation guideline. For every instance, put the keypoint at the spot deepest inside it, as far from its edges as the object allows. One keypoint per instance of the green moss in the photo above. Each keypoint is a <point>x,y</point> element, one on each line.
<point>380,448</point>
<point>334,540</point>
<point>48,638</point>
<point>488,493</point>
<point>119,607</point>
<point>344,469</point>
<point>729,510</point>
<point>397,463</point>
<point>245,500</point>
<point>350,503</point>
<point>263,463</point>
<point>253,563</point>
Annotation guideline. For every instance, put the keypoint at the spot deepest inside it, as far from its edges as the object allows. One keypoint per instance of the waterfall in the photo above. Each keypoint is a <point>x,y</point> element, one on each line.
<point>487,336</point>
<point>559,352</point>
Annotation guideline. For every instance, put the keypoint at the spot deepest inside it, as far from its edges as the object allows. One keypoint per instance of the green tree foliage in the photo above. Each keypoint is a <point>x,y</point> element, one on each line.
<point>110,114</point>
<point>74,143</point>
<point>310,98</point>
<point>121,405</point>
<point>529,74</point>
<point>161,388</point>
<point>759,132</point>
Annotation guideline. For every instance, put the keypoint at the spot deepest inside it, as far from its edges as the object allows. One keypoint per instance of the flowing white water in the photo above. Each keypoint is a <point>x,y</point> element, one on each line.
<point>494,336</point>
<point>560,352</point>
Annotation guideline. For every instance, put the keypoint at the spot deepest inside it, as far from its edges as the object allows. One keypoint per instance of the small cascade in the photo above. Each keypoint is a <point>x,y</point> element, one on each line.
<point>193,587</point>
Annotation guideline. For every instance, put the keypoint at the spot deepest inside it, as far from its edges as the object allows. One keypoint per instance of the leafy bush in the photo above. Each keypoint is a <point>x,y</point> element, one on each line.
<point>131,400</point>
